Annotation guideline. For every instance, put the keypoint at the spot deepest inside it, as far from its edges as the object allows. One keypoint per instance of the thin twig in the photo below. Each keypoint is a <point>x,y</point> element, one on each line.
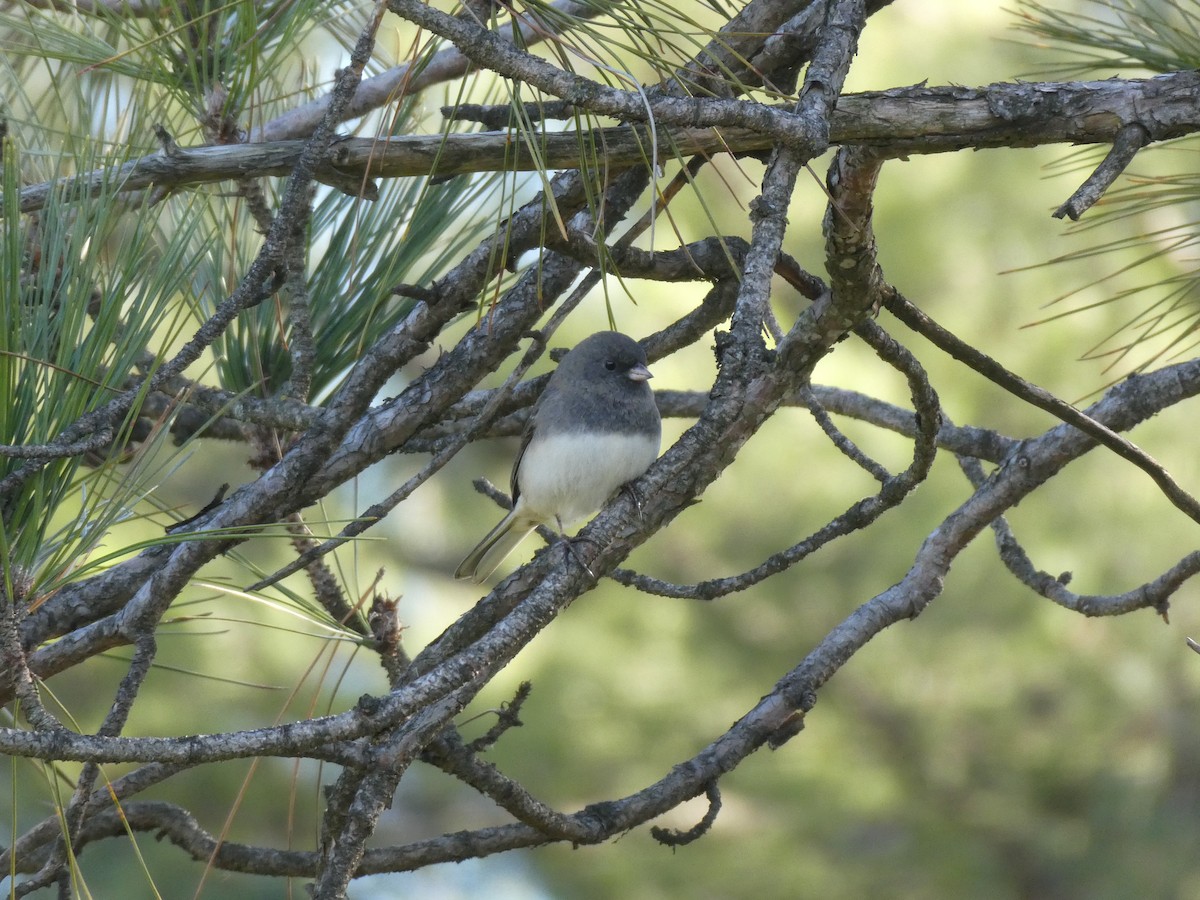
<point>1154,594</point>
<point>846,446</point>
<point>980,362</point>
<point>673,838</point>
<point>1129,140</point>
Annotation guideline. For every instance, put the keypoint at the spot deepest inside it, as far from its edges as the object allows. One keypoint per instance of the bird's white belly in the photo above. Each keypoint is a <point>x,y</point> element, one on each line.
<point>571,475</point>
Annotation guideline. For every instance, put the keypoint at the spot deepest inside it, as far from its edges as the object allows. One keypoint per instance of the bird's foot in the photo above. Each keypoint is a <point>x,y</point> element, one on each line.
<point>635,495</point>
<point>569,544</point>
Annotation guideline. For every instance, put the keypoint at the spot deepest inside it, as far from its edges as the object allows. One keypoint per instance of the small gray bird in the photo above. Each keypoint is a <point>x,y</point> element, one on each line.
<point>595,428</point>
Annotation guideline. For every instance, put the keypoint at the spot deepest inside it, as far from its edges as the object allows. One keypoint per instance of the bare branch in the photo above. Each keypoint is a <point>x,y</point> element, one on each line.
<point>1042,399</point>
<point>454,757</point>
<point>89,444</point>
<point>1129,140</point>
<point>895,124</point>
<point>847,447</point>
<point>701,828</point>
<point>411,78</point>
<point>1154,594</point>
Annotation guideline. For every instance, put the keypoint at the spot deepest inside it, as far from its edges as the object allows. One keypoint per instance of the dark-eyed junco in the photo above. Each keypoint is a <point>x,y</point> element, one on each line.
<point>595,428</point>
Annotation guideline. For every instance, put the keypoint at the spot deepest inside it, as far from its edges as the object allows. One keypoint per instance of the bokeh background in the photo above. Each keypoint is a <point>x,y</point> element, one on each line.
<point>997,746</point>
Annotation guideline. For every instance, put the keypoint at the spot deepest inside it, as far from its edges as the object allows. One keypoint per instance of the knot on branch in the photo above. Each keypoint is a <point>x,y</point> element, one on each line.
<point>368,705</point>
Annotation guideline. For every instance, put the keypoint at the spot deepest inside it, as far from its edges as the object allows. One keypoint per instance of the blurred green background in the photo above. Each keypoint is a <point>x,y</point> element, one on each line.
<point>997,746</point>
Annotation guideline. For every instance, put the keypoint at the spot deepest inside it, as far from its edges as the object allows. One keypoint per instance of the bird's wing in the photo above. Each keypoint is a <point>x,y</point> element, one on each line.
<point>526,437</point>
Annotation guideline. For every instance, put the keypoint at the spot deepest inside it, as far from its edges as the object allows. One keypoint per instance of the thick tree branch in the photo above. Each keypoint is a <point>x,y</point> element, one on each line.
<point>895,124</point>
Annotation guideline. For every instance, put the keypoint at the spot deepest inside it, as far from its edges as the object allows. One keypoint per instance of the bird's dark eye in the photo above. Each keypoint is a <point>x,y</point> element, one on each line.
<point>610,365</point>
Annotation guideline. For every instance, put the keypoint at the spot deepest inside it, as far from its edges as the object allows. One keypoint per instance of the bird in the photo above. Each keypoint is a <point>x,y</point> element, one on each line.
<point>595,428</point>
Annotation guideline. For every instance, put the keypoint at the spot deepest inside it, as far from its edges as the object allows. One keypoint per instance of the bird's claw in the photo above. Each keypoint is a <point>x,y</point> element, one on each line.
<point>574,554</point>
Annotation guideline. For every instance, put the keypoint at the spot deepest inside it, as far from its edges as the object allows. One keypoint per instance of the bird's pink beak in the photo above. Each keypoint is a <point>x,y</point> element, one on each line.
<point>639,373</point>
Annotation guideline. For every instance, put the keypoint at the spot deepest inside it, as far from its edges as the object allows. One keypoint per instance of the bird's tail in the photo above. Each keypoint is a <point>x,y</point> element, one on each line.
<point>499,542</point>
